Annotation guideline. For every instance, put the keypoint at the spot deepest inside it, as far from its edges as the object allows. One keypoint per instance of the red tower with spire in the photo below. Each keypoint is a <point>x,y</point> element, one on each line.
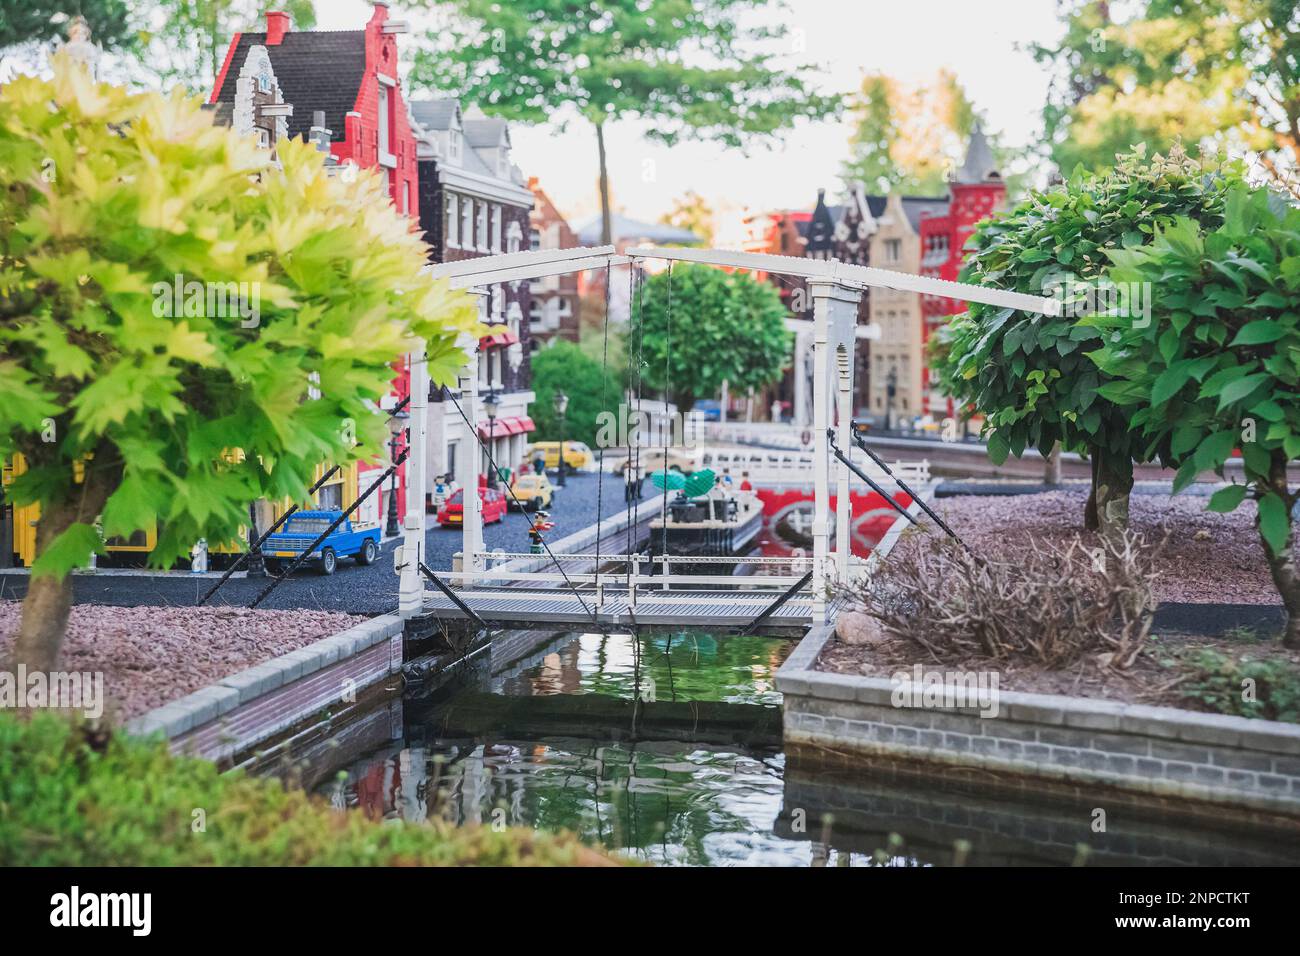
<point>976,191</point>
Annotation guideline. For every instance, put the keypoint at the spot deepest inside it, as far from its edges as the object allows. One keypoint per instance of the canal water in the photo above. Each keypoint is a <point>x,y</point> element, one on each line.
<point>667,749</point>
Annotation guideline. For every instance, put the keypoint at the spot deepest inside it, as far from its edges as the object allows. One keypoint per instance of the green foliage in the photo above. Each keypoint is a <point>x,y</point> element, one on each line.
<point>563,366</point>
<point>693,213</point>
<point>183,419</point>
<point>1219,683</point>
<point>692,68</point>
<point>1219,366</point>
<point>1162,71</point>
<point>39,21</point>
<point>190,42</point>
<point>1029,374</point>
<point>68,797</point>
<point>723,327</point>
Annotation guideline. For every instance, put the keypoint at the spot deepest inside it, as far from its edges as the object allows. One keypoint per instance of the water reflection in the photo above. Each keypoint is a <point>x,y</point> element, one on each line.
<point>665,748</point>
<point>668,750</point>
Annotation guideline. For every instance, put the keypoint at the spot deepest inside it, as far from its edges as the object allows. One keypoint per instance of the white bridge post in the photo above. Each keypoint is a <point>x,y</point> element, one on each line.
<point>843,346</point>
<point>834,307</point>
<point>467,467</point>
<point>411,589</point>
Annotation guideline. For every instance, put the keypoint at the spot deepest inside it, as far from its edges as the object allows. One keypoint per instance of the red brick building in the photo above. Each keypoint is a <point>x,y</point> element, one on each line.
<point>553,311</point>
<point>351,76</point>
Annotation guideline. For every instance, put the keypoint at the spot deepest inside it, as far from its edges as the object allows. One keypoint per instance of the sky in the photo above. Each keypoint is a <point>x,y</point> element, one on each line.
<point>979,41</point>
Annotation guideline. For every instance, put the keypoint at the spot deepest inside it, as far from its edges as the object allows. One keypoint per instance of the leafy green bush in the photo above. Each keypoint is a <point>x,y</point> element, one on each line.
<point>1220,684</point>
<point>71,798</point>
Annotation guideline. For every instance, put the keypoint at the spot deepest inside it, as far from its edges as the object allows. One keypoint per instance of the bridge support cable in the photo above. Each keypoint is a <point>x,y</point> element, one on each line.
<point>844,459</point>
<point>320,539</point>
<point>279,523</point>
<point>257,545</point>
<point>453,597</point>
<point>777,604</point>
<point>493,466</point>
<point>861,442</point>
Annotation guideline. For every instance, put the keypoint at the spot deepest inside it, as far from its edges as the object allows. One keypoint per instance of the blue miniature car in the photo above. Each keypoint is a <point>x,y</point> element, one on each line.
<point>305,527</point>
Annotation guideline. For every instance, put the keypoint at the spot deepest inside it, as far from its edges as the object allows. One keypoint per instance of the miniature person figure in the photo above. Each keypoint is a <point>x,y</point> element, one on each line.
<point>439,491</point>
<point>539,462</point>
<point>726,477</point>
<point>744,482</point>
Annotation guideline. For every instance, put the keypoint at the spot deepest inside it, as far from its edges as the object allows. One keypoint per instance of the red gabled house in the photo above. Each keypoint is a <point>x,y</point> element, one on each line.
<point>351,77</point>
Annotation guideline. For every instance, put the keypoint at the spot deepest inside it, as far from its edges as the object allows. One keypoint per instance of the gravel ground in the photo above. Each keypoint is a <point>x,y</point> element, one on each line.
<point>353,589</point>
<point>150,655</point>
<point>1210,557</point>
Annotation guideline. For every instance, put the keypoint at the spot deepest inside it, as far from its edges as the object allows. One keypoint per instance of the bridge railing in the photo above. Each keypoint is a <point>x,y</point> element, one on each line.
<point>641,574</point>
<point>792,467</point>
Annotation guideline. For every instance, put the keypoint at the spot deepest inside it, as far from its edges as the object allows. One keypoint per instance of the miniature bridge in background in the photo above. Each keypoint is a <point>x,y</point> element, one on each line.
<point>629,591</point>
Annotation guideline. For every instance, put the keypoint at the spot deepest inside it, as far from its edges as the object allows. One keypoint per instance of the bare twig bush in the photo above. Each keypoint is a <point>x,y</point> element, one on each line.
<point>1055,604</point>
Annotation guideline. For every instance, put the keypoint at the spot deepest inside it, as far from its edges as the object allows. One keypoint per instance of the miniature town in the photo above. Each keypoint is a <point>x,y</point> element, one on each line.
<point>426,438</point>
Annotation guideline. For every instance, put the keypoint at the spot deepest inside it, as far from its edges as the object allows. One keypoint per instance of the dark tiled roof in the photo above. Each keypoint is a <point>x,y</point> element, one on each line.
<point>916,206</point>
<point>316,70</point>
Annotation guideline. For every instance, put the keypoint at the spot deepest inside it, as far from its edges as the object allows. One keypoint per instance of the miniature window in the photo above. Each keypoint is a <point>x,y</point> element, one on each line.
<point>453,220</point>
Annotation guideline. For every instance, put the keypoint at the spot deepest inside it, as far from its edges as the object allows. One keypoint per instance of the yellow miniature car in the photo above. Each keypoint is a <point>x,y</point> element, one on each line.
<point>534,492</point>
<point>577,455</point>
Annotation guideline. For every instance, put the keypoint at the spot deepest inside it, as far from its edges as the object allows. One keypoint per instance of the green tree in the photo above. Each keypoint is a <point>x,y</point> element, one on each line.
<point>1170,70</point>
<point>40,21</point>
<point>1029,374</point>
<point>1219,367</point>
<point>906,136</point>
<point>694,213</point>
<point>129,409</point>
<point>564,366</point>
<point>719,327</point>
<point>189,40</point>
<point>690,68</point>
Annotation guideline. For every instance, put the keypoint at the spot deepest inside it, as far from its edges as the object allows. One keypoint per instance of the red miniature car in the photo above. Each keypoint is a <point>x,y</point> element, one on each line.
<point>493,503</point>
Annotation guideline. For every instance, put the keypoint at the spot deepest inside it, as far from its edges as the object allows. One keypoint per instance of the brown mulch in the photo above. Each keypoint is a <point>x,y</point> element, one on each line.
<point>152,655</point>
<point>1210,558</point>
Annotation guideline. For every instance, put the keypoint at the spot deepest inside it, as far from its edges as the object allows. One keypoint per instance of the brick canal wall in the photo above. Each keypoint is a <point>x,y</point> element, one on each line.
<point>255,705</point>
<point>1159,751</point>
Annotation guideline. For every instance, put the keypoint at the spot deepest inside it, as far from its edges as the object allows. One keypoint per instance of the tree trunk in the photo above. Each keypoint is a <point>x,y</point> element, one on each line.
<point>1090,521</point>
<point>1282,566</point>
<point>1112,482</point>
<point>1052,466</point>
<point>606,219</point>
<point>49,599</point>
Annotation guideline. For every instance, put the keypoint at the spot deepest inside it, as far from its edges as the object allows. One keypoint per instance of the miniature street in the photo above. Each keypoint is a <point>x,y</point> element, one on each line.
<point>352,588</point>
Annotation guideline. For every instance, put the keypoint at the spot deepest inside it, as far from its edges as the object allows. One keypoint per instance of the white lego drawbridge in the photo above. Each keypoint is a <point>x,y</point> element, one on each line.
<point>646,591</point>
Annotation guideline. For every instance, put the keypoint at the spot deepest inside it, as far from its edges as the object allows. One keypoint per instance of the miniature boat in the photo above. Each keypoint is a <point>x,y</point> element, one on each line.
<point>718,523</point>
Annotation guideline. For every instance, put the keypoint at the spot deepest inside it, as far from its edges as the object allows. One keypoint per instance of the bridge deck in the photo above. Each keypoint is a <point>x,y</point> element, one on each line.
<point>705,610</point>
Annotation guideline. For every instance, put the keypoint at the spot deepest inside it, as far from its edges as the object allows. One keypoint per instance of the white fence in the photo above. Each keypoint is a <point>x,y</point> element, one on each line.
<point>796,467</point>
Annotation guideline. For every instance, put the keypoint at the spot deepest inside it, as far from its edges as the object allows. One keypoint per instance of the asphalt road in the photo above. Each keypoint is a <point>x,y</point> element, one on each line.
<point>353,588</point>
